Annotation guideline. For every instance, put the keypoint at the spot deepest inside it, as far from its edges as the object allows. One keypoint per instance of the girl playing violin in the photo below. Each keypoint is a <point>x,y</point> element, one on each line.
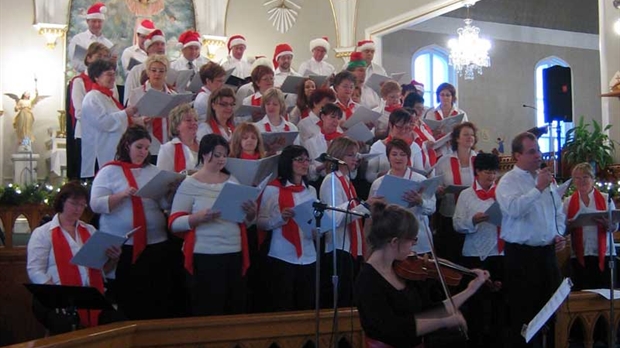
<point>393,311</point>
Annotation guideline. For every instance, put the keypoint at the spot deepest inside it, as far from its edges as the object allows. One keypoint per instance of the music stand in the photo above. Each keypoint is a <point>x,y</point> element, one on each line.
<point>70,298</point>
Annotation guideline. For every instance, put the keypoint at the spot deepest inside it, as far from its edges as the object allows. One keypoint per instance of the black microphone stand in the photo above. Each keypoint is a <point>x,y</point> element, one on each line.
<point>612,266</point>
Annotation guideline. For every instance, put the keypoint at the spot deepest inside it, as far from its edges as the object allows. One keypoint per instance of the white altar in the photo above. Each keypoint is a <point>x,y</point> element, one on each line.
<point>56,158</point>
<point>24,168</point>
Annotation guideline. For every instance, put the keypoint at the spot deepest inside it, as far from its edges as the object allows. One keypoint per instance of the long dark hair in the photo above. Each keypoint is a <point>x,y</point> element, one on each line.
<point>131,135</point>
<point>285,163</point>
<point>208,144</point>
<point>303,101</point>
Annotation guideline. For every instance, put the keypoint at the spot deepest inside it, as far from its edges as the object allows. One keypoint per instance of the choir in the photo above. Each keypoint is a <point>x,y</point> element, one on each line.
<point>184,258</point>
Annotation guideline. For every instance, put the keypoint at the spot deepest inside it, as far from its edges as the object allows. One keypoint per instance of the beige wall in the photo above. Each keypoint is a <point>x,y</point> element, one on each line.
<point>23,54</point>
<point>494,100</point>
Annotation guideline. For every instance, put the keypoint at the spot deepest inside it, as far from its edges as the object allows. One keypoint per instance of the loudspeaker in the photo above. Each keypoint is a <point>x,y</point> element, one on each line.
<point>558,94</point>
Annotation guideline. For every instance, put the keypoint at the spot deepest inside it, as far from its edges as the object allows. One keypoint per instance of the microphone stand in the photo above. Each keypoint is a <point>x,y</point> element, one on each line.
<point>612,263</point>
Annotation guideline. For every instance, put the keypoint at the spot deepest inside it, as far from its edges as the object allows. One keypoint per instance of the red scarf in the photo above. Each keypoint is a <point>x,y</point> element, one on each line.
<point>348,110</point>
<point>421,138</point>
<point>455,166</point>
<point>486,195</point>
<point>179,158</point>
<point>305,113</point>
<point>268,127</point>
<point>70,274</point>
<point>390,109</point>
<point>354,227</point>
<point>139,218</point>
<point>189,238</point>
<point>290,230</point>
<point>328,136</point>
<point>158,123</point>
<point>88,86</point>
<point>438,116</point>
<point>256,101</point>
<point>408,141</point>
<point>254,156</point>
<point>108,93</point>
<point>573,209</point>
<point>215,127</point>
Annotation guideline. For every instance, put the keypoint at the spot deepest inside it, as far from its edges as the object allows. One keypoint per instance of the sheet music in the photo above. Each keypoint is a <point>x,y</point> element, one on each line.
<point>230,199</point>
<point>547,311</point>
<point>588,217</point>
<point>132,62</point>
<point>276,141</point>
<point>375,81</point>
<point>445,125</point>
<point>362,114</point>
<point>159,185</point>
<point>397,76</point>
<point>604,293</point>
<point>290,84</point>
<point>304,217</point>
<point>251,172</point>
<point>159,104</point>
<point>393,188</point>
<point>495,214</point>
<point>359,132</point>
<point>561,189</point>
<point>93,253</point>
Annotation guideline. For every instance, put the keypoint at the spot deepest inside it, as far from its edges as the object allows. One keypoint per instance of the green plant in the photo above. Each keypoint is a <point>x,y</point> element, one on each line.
<point>588,143</point>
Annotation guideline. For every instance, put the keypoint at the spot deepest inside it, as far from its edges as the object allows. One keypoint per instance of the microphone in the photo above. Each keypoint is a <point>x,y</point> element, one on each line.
<point>529,106</point>
<point>362,203</point>
<point>327,158</point>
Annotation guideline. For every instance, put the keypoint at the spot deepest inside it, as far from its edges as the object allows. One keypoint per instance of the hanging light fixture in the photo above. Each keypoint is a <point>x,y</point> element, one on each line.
<point>469,53</point>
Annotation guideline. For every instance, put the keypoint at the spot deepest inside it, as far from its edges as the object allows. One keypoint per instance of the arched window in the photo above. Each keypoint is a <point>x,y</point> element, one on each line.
<point>429,65</point>
<point>544,140</point>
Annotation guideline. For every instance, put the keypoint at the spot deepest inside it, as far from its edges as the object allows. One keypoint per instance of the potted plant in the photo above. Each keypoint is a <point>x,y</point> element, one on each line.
<point>588,143</point>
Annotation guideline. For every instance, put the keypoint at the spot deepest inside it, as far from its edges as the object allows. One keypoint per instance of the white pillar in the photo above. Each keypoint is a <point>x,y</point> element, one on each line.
<point>609,45</point>
<point>345,13</point>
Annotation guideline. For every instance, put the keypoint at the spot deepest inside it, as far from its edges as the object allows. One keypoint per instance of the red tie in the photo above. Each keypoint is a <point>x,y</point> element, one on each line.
<point>179,158</point>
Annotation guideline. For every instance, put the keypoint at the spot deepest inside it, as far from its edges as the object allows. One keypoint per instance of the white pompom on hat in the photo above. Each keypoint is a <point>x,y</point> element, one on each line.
<point>96,11</point>
<point>365,45</point>
<point>155,36</point>
<point>320,42</point>
<point>189,38</point>
<point>236,40</point>
<point>145,27</point>
<point>262,60</point>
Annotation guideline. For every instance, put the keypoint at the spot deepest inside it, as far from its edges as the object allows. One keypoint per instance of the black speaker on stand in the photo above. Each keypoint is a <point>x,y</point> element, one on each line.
<point>558,102</point>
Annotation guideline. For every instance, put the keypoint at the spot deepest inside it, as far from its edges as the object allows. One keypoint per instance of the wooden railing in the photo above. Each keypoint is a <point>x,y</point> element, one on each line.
<point>32,212</point>
<point>283,330</point>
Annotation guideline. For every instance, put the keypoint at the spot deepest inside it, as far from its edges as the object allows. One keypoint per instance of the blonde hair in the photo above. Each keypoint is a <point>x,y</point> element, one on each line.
<point>237,136</point>
<point>157,58</point>
<point>389,86</point>
<point>273,93</point>
<point>340,146</point>
<point>585,168</point>
<point>175,117</point>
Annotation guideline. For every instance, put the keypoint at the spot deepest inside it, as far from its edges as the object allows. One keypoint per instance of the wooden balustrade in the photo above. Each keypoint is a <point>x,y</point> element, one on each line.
<point>32,212</point>
<point>282,330</point>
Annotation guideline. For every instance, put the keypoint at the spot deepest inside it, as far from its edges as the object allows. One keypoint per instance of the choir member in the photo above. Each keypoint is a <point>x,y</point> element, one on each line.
<point>329,118</point>
<point>282,59</point>
<point>390,101</point>
<point>220,112</point>
<point>95,18</point>
<point>357,66</point>
<point>213,77</point>
<point>344,83</point>
<point>236,48</point>
<point>137,51</point>
<point>316,65</point>
<point>247,142</point>
<point>302,104</point>
<point>190,58</point>
<point>367,49</point>
<point>155,43</point>
<point>446,97</point>
<point>181,153</point>
<point>308,126</point>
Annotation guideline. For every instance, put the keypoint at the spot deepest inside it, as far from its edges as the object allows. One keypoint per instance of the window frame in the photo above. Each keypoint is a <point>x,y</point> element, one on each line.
<point>442,53</point>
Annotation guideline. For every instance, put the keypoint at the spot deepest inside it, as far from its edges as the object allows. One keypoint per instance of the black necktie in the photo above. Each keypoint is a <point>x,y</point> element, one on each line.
<point>190,65</point>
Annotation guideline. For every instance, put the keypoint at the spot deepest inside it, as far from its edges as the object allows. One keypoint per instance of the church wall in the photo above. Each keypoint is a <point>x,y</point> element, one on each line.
<point>23,55</point>
<point>494,100</point>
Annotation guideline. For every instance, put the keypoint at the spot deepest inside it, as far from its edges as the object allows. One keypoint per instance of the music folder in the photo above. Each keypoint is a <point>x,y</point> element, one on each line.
<point>63,296</point>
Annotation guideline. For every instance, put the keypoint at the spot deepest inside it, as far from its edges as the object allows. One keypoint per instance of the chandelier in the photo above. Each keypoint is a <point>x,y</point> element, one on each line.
<point>469,53</point>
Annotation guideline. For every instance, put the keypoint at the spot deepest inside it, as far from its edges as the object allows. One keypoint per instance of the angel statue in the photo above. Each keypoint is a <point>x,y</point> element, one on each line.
<point>24,119</point>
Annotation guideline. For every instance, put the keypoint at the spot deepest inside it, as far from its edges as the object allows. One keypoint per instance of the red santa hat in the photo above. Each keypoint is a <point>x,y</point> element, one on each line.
<point>261,60</point>
<point>189,38</point>
<point>365,45</point>
<point>356,61</point>
<point>419,86</point>
<point>234,41</point>
<point>145,27</point>
<point>96,11</point>
<point>155,36</point>
<point>281,49</point>
<point>320,42</point>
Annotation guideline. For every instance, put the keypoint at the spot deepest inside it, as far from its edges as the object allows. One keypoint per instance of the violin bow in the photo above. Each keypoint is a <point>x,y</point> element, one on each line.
<point>443,284</point>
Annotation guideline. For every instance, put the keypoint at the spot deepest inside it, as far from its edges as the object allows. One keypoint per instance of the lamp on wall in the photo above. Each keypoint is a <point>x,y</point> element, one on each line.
<point>213,43</point>
<point>469,53</point>
<point>51,32</point>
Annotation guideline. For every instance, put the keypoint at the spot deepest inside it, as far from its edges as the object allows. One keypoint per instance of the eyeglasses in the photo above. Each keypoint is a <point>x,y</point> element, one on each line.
<point>227,105</point>
<point>76,204</point>
<point>301,159</point>
<point>161,71</point>
<point>267,78</point>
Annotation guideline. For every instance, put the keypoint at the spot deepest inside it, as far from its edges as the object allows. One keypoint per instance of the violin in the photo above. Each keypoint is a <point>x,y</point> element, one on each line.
<point>422,268</point>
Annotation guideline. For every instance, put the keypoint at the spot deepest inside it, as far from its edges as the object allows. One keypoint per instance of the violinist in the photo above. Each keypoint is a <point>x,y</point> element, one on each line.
<point>482,249</point>
<point>394,311</point>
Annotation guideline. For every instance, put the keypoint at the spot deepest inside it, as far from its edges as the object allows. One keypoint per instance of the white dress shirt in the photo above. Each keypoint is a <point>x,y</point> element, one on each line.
<point>119,221</point>
<point>242,70</point>
<point>380,163</point>
<point>270,218</point>
<point>134,52</point>
<point>262,126</point>
<point>308,127</point>
<point>375,68</point>
<point>103,124</point>
<point>165,157</point>
<point>205,128</point>
<point>200,104</point>
<point>182,63</point>
<point>78,92</point>
<point>41,264</point>
<point>529,216</point>
<point>243,92</point>
<point>370,98</point>
<point>590,233</point>
<point>84,39</point>
<point>134,97</point>
<point>311,66</point>
<point>444,169</point>
<point>421,212</point>
<point>133,80</point>
<point>279,76</point>
<point>481,238</point>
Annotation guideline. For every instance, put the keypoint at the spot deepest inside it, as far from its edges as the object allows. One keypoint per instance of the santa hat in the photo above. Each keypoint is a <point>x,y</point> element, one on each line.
<point>281,49</point>
<point>96,11</point>
<point>155,36</point>
<point>319,42</point>
<point>356,61</point>
<point>418,85</point>
<point>261,60</point>
<point>234,41</point>
<point>365,45</point>
<point>189,38</point>
<point>145,27</point>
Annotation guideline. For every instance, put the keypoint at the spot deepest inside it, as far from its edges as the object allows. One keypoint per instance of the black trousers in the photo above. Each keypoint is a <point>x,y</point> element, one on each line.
<point>347,269</point>
<point>146,289</point>
<point>532,276</point>
<point>217,286</point>
<point>448,242</point>
<point>590,276</point>
<point>291,287</point>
